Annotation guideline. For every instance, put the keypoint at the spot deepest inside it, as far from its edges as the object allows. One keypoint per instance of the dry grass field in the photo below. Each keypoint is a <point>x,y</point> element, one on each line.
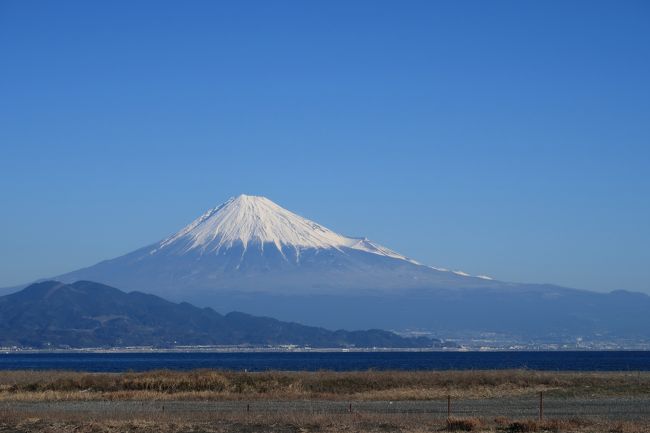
<point>304,423</point>
<point>365,385</point>
<point>299,402</point>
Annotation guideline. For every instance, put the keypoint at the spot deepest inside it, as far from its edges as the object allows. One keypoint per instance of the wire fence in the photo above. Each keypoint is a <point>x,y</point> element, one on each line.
<point>537,407</point>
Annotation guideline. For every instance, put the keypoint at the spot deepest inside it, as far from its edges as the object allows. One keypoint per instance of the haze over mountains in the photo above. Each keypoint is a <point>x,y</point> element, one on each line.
<point>249,254</point>
<point>87,314</point>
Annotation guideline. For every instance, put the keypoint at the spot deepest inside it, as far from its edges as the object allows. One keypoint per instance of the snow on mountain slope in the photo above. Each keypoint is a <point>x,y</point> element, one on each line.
<point>251,220</point>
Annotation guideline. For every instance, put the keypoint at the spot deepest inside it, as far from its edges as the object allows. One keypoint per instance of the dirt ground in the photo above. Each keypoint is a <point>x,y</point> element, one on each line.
<point>613,415</point>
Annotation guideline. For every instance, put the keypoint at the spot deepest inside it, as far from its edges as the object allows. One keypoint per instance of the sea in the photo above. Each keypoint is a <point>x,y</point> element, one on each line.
<point>338,361</point>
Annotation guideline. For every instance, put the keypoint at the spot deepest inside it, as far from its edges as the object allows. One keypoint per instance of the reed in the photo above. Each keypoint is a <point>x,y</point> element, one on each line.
<point>361,385</point>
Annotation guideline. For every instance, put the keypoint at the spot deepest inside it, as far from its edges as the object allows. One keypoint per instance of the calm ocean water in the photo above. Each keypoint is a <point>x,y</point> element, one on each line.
<point>559,361</point>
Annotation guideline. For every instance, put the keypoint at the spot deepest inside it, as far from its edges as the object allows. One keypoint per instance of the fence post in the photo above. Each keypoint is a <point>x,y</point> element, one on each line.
<point>541,406</point>
<point>350,408</point>
<point>248,407</point>
<point>448,407</point>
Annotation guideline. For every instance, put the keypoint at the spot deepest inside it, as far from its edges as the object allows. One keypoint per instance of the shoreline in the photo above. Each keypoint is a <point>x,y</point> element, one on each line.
<point>239,349</point>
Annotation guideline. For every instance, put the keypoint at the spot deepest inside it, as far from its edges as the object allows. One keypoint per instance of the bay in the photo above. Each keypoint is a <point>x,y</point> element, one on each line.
<point>338,361</point>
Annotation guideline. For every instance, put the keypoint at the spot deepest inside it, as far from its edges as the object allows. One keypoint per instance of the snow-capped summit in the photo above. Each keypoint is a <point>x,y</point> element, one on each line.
<point>256,221</point>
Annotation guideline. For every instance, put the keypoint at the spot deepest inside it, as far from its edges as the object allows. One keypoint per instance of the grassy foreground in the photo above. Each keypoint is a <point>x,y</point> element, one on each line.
<point>33,401</point>
<point>283,423</point>
<point>365,385</point>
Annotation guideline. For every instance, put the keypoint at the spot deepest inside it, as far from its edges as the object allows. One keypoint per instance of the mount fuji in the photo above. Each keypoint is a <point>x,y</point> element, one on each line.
<point>250,244</point>
<point>249,254</point>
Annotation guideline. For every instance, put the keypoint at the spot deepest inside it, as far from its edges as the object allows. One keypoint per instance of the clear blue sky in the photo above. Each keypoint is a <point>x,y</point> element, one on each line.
<point>507,138</point>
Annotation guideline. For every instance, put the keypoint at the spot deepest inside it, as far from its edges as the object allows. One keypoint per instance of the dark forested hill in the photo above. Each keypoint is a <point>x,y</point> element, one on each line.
<point>88,314</point>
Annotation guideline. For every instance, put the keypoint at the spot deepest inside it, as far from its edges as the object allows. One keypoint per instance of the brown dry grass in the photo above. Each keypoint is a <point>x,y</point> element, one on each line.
<point>298,423</point>
<point>365,385</point>
<point>464,424</point>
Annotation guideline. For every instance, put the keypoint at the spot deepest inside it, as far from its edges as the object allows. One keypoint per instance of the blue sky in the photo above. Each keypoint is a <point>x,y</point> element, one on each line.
<point>503,138</point>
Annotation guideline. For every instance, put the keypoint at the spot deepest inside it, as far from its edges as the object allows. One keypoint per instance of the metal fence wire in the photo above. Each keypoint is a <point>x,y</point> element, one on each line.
<point>634,408</point>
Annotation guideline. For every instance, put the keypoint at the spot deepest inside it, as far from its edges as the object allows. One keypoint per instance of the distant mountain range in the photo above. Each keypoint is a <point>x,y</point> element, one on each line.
<point>249,254</point>
<point>87,314</point>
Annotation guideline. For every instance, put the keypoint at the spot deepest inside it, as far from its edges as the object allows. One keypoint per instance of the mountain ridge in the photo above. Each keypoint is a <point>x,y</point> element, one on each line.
<point>88,314</point>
